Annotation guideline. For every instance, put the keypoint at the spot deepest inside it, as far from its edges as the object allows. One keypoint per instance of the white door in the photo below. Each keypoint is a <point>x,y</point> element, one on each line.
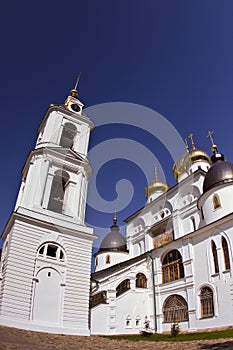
<point>47,297</point>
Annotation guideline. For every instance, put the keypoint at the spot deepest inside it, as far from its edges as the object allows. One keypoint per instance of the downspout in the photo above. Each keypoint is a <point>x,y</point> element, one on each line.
<point>153,282</point>
<point>91,290</point>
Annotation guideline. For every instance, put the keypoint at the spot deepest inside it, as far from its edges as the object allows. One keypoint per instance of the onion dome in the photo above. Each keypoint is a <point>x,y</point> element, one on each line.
<point>220,172</point>
<point>180,165</point>
<point>196,155</point>
<point>114,241</point>
<point>190,157</point>
<point>156,186</point>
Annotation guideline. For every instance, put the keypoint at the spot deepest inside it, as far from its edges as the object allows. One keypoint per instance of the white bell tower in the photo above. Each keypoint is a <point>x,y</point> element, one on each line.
<point>46,260</point>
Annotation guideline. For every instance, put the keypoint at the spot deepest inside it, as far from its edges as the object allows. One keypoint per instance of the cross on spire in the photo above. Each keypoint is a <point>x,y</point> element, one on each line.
<point>186,144</point>
<point>74,91</point>
<point>77,81</point>
<point>213,147</point>
<point>191,138</point>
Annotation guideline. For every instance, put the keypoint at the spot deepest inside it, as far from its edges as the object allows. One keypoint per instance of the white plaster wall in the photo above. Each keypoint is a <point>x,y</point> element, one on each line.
<point>99,317</point>
<point>115,258</point>
<point>17,284</point>
<point>131,305</point>
<point>225,193</point>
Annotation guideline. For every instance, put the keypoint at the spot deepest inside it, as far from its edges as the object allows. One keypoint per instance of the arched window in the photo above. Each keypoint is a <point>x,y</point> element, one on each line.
<point>172,266</point>
<point>57,193</point>
<point>141,281</point>
<point>108,259</point>
<point>123,287</point>
<point>68,134</point>
<point>98,298</point>
<point>175,309</point>
<point>207,303</point>
<point>216,201</point>
<point>226,254</point>
<point>51,251</point>
<point>215,257</point>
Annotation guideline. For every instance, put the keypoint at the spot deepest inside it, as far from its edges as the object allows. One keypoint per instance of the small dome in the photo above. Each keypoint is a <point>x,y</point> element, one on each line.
<point>114,241</point>
<point>190,157</point>
<point>196,155</point>
<point>156,187</point>
<point>220,172</point>
<point>180,165</point>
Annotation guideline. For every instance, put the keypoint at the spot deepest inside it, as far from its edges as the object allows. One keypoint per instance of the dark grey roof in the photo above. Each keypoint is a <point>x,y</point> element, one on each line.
<point>220,172</point>
<point>114,241</point>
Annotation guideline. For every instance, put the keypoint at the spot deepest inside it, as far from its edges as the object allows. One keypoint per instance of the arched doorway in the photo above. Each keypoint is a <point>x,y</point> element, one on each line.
<point>47,304</point>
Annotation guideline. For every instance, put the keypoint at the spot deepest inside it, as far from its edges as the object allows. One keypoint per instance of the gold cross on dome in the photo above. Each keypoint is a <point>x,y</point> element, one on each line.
<point>186,144</point>
<point>191,138</point>
<point>213,147</point>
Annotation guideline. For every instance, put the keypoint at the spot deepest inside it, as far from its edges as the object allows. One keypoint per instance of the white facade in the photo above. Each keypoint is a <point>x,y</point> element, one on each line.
<point>182,243</point>
<point>46,258</point>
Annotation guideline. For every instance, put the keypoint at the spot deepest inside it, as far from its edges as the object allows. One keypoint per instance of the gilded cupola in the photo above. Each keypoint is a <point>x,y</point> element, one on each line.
<point>155,188</point>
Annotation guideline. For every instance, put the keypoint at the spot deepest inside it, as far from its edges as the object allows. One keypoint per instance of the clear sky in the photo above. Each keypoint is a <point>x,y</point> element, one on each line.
<point>175,57</point>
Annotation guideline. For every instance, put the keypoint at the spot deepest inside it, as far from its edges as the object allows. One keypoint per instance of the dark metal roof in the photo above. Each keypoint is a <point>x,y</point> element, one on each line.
<point>220,172</point>
<point>114,241</point>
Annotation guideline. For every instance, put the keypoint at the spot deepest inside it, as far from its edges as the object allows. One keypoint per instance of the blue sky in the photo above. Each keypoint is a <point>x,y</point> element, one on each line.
<point>175,57</point>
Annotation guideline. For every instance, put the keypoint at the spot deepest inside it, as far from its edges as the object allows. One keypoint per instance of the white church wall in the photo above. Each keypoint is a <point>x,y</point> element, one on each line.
<point>211,214</point>
<point>130,307</point>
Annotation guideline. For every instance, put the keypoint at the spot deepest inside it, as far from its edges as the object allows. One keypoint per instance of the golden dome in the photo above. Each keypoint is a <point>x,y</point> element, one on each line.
<point>156,186</point>
<point>196,155</point>
<point>180,165</point>
<point>191,156</point>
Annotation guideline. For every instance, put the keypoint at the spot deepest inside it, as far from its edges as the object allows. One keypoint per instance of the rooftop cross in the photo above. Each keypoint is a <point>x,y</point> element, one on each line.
<point>214,147</point>
<point>186,144</point>
<point>191,138</point>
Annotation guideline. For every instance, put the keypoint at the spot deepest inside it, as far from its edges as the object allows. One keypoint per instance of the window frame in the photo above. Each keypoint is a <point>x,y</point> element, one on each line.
<point>215,257</point>
<point>68,129</point>
<point>141,280</point>
<point>216,201</point>
<point>226,255</point>
<point>172,270</point>
<point>207,302</point>
<point>170,310</point>
<point>123,287</point>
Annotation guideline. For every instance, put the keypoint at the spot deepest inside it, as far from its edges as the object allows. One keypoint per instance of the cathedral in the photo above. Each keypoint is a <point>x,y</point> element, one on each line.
<point>173,266</point>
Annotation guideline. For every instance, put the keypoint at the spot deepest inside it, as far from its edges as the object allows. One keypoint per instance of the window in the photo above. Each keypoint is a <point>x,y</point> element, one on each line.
<point>216,201</point>
<point>207,303</point>
<point>172,266</point>
<point>226,254</point>
<point>128,321</point>
<point>141,281</point>
<point>123,287</point>
<point>193,223</point>
<point>58,191</point>
<point>137,321</point>
<point>107,259</point>
<point>175,309</point>
<point>98,298</point>
<point>202,214</point>
<point>51,251</point>
<point>67,137</point>
<point>215,257</point>
<point>96,261</point>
